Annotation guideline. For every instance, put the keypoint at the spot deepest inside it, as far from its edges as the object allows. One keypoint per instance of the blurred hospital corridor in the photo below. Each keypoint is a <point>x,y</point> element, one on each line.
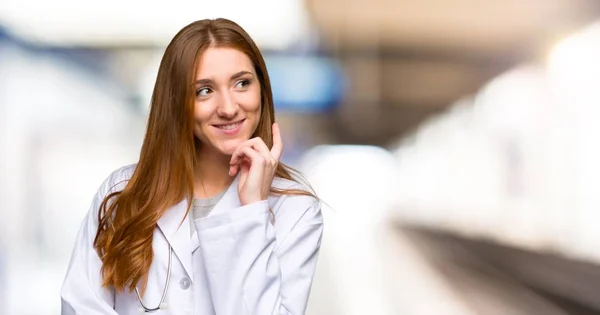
<point>423,271</point>
<point>455,144</point>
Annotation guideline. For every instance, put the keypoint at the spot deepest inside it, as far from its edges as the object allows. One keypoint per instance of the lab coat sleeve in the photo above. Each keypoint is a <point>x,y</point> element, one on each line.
<point>250,271</point>
<point>82,292</point>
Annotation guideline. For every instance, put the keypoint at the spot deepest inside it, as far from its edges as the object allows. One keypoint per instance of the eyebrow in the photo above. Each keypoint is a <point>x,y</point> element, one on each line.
<point>233,77</point>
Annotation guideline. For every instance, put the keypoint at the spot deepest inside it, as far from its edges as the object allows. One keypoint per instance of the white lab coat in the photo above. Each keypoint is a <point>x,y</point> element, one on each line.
<point>238,264</point>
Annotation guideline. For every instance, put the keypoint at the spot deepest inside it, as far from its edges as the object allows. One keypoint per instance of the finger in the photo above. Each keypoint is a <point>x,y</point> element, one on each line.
<point>235,156</point>
<point>252,157</point>
<point>233,169</point>
<point>257,144</point>
<point>277,148</point>
<point>247,152</point>
<point>236,160</point>
<point>245,165</point>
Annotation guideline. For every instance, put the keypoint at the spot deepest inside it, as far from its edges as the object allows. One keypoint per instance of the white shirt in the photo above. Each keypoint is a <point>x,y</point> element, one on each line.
<point>237,263</point>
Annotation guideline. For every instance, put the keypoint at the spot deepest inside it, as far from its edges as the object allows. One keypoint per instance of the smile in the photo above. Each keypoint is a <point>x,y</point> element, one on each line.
<point>230,128</point>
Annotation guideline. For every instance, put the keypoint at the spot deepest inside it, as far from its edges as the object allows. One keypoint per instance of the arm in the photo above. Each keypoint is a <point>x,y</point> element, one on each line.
<point>250,272</point>
<point>82,292</point>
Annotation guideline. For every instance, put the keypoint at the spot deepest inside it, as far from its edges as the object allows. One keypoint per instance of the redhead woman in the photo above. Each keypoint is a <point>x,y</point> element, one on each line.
<point>208,221</point>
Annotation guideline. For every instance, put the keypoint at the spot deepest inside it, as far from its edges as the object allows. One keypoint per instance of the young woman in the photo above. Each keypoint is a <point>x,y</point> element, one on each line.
<point>208,221</point>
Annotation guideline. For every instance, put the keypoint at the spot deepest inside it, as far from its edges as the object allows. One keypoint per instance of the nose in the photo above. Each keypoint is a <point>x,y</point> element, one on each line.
<point>228,107</point>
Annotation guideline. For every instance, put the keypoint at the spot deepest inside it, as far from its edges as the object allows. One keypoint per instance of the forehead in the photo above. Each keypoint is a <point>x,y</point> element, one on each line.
<point>222,62</point>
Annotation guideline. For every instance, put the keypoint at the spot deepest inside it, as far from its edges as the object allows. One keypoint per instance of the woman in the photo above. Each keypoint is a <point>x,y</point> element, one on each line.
<point>208,221</point>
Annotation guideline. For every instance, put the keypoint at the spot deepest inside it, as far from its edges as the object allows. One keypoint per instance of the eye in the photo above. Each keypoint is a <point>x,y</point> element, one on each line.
<point>241,84</point>
<point>203,91</point>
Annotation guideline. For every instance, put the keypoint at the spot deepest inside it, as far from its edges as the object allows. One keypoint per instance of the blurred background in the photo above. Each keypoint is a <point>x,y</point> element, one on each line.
<point>456,143</point>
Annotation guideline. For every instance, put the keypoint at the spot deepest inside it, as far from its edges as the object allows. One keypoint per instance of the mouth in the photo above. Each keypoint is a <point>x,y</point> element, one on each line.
<point>230,127</point>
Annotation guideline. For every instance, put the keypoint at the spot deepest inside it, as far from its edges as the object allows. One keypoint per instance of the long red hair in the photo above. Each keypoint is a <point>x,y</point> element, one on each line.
<point>164,173</point>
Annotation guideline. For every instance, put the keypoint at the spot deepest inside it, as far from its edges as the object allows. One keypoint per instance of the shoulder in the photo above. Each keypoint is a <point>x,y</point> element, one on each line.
<point>290,208</point>
<point>282,183</point>
<point>286,184</point>
<point>117,179</point>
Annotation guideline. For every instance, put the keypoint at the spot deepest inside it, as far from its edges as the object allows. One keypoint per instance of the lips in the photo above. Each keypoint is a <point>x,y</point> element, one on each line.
<point>230,126</point>
<point>230,129</point>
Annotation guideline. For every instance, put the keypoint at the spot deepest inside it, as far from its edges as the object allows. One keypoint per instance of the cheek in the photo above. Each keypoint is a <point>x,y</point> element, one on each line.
<point>250,101</point>
<point>252,108</point>
<point>202,114</point>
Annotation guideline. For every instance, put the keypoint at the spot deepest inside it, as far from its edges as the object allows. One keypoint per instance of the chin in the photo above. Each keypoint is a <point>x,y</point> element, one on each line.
<point>227,147</point>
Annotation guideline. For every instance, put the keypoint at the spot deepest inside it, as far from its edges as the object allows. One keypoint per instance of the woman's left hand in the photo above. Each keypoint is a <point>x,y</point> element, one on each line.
<point>257,165</point>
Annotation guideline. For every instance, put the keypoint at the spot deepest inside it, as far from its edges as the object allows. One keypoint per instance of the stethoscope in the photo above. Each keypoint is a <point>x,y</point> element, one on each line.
<point>161,305</point>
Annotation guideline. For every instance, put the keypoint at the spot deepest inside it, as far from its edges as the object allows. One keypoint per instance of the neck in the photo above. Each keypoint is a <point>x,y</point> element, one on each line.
<point>212,174</point>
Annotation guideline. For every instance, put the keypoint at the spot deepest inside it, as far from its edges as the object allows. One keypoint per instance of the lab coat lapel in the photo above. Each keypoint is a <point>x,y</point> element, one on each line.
<point>178,234</point>
<point>230,200</point>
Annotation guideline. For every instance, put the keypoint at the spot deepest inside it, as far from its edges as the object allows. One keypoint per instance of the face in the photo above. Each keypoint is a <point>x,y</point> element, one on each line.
<point>227,100</point>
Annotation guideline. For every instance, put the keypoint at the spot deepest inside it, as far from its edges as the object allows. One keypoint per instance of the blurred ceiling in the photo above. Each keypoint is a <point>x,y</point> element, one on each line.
<point>405,59</point>
<point>473,26</point>
<point>408,59</point>
<point>140,23</point>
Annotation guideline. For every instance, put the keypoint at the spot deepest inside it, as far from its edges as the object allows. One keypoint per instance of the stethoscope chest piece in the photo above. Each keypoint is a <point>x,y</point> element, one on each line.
<point>162,305</point>
<point>143,310</point>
